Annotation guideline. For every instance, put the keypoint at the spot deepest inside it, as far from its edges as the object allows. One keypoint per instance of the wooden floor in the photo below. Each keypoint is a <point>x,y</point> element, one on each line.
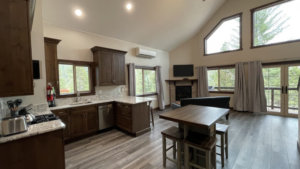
<point>255,142</point>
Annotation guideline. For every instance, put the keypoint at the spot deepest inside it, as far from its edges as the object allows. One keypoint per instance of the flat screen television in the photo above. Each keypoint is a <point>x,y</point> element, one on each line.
<point>183,70</point>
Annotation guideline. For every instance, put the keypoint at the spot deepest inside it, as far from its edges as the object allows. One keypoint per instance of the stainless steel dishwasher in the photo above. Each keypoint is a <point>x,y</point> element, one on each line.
<point>106,116</point>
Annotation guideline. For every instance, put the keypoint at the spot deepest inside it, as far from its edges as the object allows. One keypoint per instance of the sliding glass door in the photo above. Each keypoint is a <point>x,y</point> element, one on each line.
<point>281,89</point>
<point>293,72</point>
<point>273,82</point>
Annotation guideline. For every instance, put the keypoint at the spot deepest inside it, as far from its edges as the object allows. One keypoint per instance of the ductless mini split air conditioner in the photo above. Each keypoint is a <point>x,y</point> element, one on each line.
<point>144,53</point>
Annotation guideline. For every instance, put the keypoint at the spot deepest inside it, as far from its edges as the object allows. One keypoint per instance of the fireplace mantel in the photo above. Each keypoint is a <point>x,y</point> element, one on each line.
<point>181,80</point>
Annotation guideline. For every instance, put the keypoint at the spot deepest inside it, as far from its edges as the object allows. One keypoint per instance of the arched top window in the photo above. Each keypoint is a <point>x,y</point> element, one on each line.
<point>225,37</point>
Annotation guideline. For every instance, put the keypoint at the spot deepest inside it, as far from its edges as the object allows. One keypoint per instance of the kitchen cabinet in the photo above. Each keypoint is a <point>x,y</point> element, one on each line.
<point>132,118</point>
<point>43,151</point>
<point>109,66</point>
<point>79,121</point>
<point>84,120</point>
<point>51,61</point>
<point>65,118</point>
<point>16,75</point>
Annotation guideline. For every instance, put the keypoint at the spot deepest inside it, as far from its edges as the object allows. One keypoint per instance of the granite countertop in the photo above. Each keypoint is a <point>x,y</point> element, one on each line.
<point>45,127</point>
<point>126,100</point>
<point>36,129</point>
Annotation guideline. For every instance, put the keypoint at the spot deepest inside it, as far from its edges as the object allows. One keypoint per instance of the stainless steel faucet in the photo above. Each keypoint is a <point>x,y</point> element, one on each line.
<point>77,98</point>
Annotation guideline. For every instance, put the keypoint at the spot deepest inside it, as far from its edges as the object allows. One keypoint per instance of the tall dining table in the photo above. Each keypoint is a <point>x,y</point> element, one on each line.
<point>201,119</point>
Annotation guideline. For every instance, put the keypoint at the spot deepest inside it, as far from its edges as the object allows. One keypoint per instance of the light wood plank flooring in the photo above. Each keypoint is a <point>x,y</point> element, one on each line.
<point>255,142</point>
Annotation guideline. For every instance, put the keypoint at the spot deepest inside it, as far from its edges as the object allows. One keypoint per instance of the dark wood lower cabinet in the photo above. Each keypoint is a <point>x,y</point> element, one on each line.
<point>65,118</point>
<point>79,121</point>
<point>44,151</point>
<point>132,118</point>
<point>83,121</point>
<point>92,120</point>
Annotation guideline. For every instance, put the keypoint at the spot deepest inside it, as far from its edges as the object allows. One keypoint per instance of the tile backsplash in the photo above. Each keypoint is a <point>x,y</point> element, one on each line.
<point>102,92</point>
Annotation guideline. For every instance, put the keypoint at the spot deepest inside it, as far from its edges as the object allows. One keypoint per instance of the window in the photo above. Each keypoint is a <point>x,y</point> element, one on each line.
<point>221,79</point>
<point>74,77</point>
<point>225,37</point>
<point>145,81</point>
<point>276,23</point>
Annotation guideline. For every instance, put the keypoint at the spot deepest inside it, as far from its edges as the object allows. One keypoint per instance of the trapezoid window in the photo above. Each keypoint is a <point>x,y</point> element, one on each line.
<point>225,37</point>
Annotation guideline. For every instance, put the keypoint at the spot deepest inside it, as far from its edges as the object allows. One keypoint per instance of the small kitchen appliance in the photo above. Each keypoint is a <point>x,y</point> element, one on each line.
<point>13,125</point>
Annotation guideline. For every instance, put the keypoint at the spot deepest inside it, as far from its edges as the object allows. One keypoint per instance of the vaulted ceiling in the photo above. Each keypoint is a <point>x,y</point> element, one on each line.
<point>160,24</point>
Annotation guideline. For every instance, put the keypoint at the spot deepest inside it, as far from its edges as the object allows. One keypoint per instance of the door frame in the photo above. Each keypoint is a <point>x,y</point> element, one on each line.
<point>283,83</point>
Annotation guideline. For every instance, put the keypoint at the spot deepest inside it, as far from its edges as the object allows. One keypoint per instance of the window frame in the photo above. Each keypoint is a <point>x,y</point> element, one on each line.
<point>278,2</point>
<point>76,63</point>
<point>240,15</point>
<point>219,68</point>
<point>146,68</point>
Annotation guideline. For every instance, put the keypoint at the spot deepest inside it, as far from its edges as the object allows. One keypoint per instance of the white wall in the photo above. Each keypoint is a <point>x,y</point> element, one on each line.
<point>76,45</point>
<point>192,51</point>
<point>37,45</point>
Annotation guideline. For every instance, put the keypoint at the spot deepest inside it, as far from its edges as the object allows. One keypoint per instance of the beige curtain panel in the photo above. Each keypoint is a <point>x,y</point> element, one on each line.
<point>159,88</point>
<point>131,79</point>
<point>256,92</point>
<point>240,99</point>
<point>202,81</point>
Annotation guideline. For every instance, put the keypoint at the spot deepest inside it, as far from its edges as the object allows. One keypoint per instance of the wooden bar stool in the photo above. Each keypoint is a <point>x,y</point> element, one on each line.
<point>176,136</point>
<point>222,130</point>
<point>203,152</point>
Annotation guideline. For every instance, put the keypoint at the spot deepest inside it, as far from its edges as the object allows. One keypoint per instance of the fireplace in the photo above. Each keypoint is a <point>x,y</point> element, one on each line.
<point>183,92</point>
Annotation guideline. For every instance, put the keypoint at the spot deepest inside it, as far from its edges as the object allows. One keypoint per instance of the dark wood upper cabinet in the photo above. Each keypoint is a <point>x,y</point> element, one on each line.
<point>109,66</point>
<point>16,77</point>
<point>51,61</point>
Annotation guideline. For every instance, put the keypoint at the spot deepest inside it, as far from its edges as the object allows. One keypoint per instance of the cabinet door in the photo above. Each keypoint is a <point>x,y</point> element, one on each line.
<point>65,118</point>
<point>124,117</point>
<point>15,50</point>
<point>92,120</point>
<point>51,61</point>
<point>118,69</point>
<point>78,123</point>
<point>105,76</point>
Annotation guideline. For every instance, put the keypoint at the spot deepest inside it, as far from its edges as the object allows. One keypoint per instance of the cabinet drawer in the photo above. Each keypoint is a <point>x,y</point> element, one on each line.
<point>124,123</point>
<point>60,112</point>
<point>84,109</point>
<point>124,111</point>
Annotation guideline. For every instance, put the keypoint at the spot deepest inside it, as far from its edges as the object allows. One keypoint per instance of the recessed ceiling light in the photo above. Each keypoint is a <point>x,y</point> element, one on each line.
<point>129,6</point>
<point>78,12</point>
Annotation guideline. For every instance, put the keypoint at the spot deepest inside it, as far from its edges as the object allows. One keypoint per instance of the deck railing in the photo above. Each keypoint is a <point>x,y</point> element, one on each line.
<point>272,89</point>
